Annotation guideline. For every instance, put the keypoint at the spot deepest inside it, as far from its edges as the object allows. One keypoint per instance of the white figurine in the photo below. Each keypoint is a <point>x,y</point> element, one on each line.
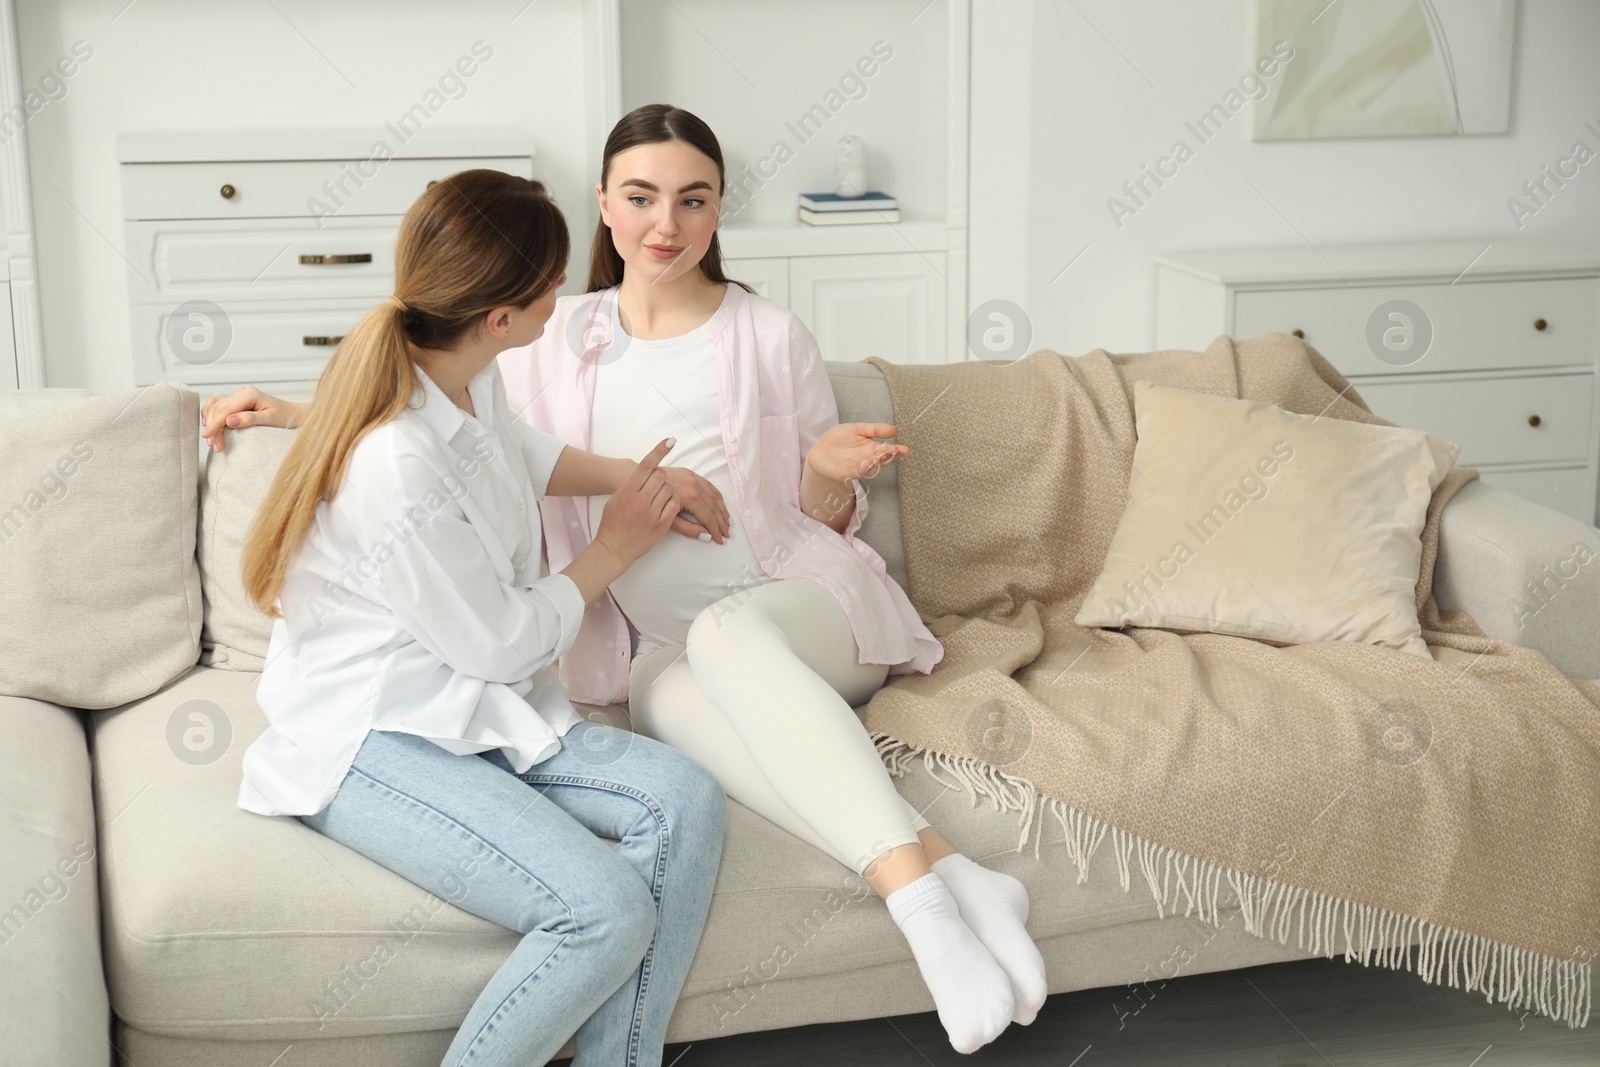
<point>850,166</point>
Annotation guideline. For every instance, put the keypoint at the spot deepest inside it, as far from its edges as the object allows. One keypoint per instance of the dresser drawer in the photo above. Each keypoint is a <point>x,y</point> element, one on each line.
<point>262,259</point>
<point>1493,419</point>
<point>292,188</point>
<point>1476,325</point>
<point>1563,489</point>
<point>260,341</point>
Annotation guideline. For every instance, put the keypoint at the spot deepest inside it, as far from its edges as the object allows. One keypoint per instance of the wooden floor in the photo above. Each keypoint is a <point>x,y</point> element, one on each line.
<point>1309,1013</point>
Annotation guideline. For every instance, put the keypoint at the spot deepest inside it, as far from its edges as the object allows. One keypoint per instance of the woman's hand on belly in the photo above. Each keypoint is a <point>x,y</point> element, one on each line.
<point>704,511</point>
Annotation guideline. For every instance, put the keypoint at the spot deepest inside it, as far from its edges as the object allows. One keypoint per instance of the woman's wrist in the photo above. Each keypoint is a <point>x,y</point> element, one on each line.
<point>595,568</point>
<point>618,471</point>
<point>826,499</point>
<point>813,470</point>
<point>582,473</point>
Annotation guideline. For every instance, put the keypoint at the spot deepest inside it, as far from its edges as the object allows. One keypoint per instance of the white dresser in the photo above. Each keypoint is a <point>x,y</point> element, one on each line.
<point>1493,346</point>
<point>251,253</point>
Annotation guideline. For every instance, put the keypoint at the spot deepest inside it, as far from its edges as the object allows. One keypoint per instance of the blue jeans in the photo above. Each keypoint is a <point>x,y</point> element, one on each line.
<point>609,931</point>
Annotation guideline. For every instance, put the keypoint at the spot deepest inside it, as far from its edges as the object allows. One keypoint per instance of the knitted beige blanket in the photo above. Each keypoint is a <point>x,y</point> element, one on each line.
<point>1343,793</point>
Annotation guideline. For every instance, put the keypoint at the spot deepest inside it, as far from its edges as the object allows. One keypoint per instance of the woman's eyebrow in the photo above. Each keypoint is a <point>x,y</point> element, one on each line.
<point>641,183</point>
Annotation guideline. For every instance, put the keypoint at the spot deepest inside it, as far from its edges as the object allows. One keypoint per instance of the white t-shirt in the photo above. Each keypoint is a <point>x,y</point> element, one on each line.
<point>416,605</point>
<point>656,389</point>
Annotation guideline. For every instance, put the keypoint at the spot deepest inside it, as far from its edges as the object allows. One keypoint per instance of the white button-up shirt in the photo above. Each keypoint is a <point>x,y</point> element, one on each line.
<point>410,606</point>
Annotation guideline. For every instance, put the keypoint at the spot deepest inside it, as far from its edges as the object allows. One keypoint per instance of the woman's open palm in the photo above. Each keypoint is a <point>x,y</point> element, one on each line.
<point>854,450</point>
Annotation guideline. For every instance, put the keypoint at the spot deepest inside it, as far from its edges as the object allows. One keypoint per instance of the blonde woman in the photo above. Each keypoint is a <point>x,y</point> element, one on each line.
<point>413,713</point>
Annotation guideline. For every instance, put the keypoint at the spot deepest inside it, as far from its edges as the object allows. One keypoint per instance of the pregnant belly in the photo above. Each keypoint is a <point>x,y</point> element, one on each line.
<point>680,577</point>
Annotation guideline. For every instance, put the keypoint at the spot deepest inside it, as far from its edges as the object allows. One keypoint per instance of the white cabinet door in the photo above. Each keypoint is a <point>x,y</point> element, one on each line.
<point>769,277</point>
<point>887,305</point>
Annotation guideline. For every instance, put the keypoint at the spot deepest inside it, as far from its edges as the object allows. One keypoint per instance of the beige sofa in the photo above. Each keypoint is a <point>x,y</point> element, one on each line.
<point>229,937</point>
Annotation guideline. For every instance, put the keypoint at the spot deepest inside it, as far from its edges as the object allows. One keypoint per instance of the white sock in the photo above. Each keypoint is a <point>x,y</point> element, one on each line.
<point>995,906</point>
<point>969,987</point>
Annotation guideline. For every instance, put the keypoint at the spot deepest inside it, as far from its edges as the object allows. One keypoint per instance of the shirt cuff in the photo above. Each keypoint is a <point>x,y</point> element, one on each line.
<point>860,513</point>
<point>563,592</point>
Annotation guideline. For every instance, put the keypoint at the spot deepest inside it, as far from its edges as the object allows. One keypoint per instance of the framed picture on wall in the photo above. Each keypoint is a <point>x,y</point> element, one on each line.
<point>1387,68</point>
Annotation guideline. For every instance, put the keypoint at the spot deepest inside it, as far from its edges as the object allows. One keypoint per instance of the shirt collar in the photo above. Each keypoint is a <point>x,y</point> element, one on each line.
<point>442,414</point>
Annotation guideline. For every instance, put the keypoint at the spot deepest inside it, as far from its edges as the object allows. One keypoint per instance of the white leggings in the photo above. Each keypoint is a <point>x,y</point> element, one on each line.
<point>762,697</point>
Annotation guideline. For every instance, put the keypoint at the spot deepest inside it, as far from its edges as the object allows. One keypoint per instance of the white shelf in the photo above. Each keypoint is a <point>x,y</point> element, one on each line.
<point>802,239</point>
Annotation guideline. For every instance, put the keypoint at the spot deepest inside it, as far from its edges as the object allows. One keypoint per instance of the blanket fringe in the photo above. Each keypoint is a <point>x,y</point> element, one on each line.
<point>1536,981</point>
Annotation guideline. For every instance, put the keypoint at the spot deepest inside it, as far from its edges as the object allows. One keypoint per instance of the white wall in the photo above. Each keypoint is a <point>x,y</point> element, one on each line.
<point>1092,120</point>
<point>1000,151</point>
<point>1060,119</point>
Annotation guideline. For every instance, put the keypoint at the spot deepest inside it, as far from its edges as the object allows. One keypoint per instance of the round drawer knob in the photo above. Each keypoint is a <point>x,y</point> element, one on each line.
<point>1299,333</point>
<point>229,192</point>
<point>1539,324</point>
<point>1534,420</point>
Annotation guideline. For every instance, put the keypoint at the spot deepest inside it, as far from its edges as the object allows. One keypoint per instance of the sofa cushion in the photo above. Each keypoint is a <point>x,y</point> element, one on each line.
<point>1131,954</point>
<point>234,484</point>
<point>99,590</point>
<point>223,923</point>
<point>52,985</point>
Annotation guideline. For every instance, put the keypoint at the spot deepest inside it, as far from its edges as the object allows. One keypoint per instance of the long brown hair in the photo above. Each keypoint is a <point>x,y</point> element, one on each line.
<point>652,124</point>
<point>475,241</point>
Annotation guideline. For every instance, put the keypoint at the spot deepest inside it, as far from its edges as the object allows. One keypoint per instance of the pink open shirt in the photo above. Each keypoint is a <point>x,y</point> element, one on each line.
<point>775,402</point>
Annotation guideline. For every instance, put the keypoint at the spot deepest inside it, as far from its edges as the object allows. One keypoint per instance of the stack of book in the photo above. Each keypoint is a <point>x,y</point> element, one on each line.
<point>831,209</point>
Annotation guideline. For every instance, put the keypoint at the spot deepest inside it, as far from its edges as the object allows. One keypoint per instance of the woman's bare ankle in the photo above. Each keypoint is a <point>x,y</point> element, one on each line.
<point>896,868</point>
<point>934,845</point>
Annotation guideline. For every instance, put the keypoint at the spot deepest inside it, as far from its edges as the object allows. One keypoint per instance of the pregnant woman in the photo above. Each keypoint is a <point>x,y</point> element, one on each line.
<point>755,642</point>
<point>748,645</point>
<point>414,716</point>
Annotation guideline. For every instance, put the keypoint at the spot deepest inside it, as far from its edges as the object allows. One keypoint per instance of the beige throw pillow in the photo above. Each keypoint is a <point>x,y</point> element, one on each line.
<point>99,592</point>
<point>1249,520</point>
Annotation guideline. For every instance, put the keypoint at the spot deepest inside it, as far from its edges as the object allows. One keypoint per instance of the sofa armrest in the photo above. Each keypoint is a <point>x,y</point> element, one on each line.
<point>1526,573</point>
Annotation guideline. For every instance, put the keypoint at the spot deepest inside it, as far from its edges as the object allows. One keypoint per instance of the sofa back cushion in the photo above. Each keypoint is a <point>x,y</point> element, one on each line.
<point>234,484</point>
<point>863,396</point>
<point>99,591</point>
<point>237,478</point>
